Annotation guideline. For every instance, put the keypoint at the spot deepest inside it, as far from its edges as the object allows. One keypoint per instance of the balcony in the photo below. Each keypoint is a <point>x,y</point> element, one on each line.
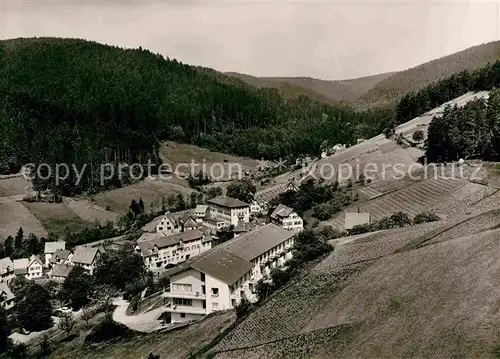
<point>188,295</point>
<point>187,310</point>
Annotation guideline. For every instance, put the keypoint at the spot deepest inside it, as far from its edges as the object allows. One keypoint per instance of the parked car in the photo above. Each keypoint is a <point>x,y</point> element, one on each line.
<point>64,310</point>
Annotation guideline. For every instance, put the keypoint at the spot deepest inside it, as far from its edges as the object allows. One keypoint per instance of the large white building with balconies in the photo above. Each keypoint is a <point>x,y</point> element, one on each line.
<point>229,210</point>
<point>219,278</point>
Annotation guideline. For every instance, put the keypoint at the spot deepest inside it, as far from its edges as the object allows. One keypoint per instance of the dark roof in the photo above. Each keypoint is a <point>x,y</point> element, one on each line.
<point>60,254</point>
<point>281,211</point>
<point>244,227</point>
<point>5,290</point>
<point>162,241</point>
<point>61,270</point>
<point>228,202</point>
<point>218,263</point>
<point>257,242</point>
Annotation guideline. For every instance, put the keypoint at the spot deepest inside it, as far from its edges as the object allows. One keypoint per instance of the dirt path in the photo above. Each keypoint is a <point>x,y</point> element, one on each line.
<point>145,322</point>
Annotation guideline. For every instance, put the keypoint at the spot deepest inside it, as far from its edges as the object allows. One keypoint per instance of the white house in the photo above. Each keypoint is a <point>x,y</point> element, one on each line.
<point>6,269</point>
<point>286,218</point>
<point>168,225</point>
<point>213,225</point>
<point>219,278</point>
<point>229,210</point>
<point>51,248</point>
<point>86,257</point>
<point>30,268</point>
<point>159,250</point>
<point>258,207</point>
<point>59,272</point>
<point>6,296</point>
<point>200,212</point>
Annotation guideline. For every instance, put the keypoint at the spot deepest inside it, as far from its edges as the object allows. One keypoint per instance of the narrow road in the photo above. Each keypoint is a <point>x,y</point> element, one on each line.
<point>146,322</point>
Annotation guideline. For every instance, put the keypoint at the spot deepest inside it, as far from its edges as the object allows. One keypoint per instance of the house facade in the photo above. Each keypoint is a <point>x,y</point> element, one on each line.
<point>221,277</point>
<point>257,207</point>
<point>59,272</point>
<point>50,249</point>
<point>200,212</point>
<point>6,270</point>
<point>159,250</point>
<point>6,296</point>
<point>86,257</point>
<point>229,210</point>
<point>168,225</point>
<point>30,268</point>
<point>61,256</point>
<point>286,218</point>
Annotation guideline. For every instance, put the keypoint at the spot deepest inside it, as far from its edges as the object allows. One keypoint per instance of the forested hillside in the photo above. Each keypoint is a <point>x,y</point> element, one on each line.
<point>321,90</point>
<point>413,79</point>
<point>79,102</point>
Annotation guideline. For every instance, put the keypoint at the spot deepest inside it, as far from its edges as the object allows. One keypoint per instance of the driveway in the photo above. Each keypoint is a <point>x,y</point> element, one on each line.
<point>146,322</point>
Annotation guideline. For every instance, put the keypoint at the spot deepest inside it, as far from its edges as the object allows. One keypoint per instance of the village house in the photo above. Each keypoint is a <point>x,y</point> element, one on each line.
<point>187,223</point>
<point>213,225</point>
<point>168,225</point>
<point>221,277</point>
<point>229,210</point>
<point>61,256</point>
<point>257,207</point>
<point>31,268</point>
<point>6,296</point>
<point>51,248</point>
<point>59,272</point>
<point>159,250</point>
<point>200,212</point>
<point>86,257</point>
<point>286,218</point>
<point>6,269</point>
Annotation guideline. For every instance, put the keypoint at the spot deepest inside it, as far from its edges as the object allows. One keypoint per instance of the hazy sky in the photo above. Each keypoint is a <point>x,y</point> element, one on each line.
<point>324,39</point>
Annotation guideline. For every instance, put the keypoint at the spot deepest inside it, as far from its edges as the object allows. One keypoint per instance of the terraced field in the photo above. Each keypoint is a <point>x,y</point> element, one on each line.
<point>90,212</point>
<point>414,199</point>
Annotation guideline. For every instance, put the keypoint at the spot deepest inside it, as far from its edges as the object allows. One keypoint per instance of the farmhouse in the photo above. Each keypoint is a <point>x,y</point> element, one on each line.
<point>30,268</point>
<point>51,248</point>
<point>168,225</point>
<point>159,250</point>
<point>356,219</point>
<point>61,256</point>
<point>60,272</point>
<point>258,207</point>
<point>229,210</point>
<point>86,257</point>
<point>221,277</point>
<point>187,223</point>
<point>6,269</point>
<point>286,218</point>
<point>6,296</point>
<point>290,187</point>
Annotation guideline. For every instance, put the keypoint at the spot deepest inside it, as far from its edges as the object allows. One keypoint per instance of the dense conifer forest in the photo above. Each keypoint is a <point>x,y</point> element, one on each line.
<point>79,102</point>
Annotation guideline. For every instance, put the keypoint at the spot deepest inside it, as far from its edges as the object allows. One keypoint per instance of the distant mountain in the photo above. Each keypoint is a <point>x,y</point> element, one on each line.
<point>382,89</point>
<point>321,90</point>
<point>395,86</point>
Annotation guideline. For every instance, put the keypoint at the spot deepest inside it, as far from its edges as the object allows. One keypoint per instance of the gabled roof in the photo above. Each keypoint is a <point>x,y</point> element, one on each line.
<point>244,227</point>
<point>85,255</point>
<point>34,259</point>
<point>201,208</point>
<point>159,240</point>
<point>189,223</point>
<point>21,265</point>
<point>61,270</point>
<point>230,202</point>
<point>168,216</point>
<point>5,290</point>
<point>51,247</point>
<point>6,264</point>
<point>60,254</point>
<point>257,242</point>
<point>218,263</point>
<point>281,211</point>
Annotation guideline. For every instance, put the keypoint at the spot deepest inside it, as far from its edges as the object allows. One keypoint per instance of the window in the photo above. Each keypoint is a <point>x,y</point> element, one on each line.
<point>183,302</point>
<point>160,228</point>
<point>233,302</point>
<point>250,287</point>
<point>215,292</point>
<point>204,304</point>
<point>202,277</point>
<point>183,315</point>
<point>182,287</point>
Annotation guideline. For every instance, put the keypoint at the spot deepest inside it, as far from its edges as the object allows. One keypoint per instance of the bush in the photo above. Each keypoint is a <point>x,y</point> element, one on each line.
<point>280,277</point>
<point>418,135</point>
<point>425,217</point>
<point>243,308</point>
<point>107,329</point>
